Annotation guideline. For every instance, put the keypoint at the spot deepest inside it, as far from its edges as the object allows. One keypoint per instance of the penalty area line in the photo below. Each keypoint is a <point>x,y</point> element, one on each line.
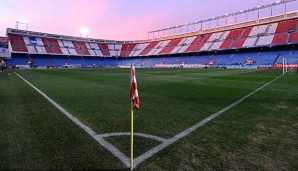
<point>121,156</point>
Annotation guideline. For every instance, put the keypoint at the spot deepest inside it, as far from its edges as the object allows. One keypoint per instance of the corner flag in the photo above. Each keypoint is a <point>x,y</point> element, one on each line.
<point>135,103</point>
<point>133,88</point>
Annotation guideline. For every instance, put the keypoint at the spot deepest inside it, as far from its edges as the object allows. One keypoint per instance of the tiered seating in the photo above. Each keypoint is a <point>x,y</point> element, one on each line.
<point>268,38</point>
<point>252,37</point>
<point>164,50</point>
<point>127,49</point>
<point>239,42</point>
<point>186,44</point>
<point>234,34</point>
<point>76,60</point>
<point>264,35</point>
<point>258,30</point>
<point>94,49</point>
<point>51,46</point>
<point>170,46</point>
<point>272,28</point>
<point>31,49</point>
<point>118,48</point>
<point>138,49</point>
<point>34,45</point>
<point>264,59</point>
<point>193,44</point>
<point>173,45</point>
<point>18,44</point>
<point>294,37</point>
<point>148,48</point>
<point>45,61</point>
<point>62,47</point>
<point>17,61</point>
<point>113,50</point>
<point>70,46</point>
<point>159,47</point>
<point>124,50</point>
<point>130,49</point>
<point>214,37</point>
<point>219,41</point>
<point>198,43</point>
<point>285,26</point>
<point>267,57</point>
<point>81,48</point>
<point>40,46</point>
<point>177,48</point>
<point>265,40</point>
<point>204,45</point>
<point>90,50</point>
<point>280,38</point>
<point>104,49</point>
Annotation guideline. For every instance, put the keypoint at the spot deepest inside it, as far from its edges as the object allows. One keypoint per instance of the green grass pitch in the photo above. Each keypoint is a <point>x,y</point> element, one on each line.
<point>260,133</point>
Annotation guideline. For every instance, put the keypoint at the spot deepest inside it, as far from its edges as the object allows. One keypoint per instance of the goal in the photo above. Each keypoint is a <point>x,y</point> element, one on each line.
<point>290,66</point>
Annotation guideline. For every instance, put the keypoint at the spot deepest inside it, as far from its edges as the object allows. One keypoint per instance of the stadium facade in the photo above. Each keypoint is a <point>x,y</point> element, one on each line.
<point>256,43</point>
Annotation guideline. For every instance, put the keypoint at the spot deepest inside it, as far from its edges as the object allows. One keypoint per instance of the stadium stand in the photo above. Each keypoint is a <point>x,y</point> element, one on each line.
<point>294,37</point>
<point>17,43</point>
<point>224,46</point>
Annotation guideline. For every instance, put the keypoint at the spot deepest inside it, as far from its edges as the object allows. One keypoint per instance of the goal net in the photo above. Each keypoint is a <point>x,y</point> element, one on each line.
<point>290,65</point>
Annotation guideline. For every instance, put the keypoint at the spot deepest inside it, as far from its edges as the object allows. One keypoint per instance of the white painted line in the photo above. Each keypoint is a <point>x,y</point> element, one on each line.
<point>165,142</point>
<point>122,157</point>
<point>152,137</point>
<point>158,148</point>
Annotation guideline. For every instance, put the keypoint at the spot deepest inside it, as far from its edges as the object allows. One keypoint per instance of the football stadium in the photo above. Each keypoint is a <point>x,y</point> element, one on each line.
<point>216,93</point>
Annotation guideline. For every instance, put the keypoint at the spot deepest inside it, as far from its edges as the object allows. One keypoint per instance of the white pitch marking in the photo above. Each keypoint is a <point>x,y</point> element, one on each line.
<point>152,137</point>
<point>153,151</point>
<point>158,148</point>
<point>123,158</point>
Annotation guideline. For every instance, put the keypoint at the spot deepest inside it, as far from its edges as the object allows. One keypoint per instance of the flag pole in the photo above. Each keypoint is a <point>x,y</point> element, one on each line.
<point>131,137</point>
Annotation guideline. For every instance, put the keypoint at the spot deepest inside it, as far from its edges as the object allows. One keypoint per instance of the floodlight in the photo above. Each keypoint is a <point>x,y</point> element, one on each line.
<point>23,21</point>
<point>84,30</point>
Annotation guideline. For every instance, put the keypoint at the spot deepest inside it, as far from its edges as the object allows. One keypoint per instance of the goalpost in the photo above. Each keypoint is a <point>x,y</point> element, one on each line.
<point>290,66</point>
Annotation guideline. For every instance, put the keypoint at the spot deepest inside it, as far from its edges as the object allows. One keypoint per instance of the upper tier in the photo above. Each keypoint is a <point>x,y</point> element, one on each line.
<point>275,30</point>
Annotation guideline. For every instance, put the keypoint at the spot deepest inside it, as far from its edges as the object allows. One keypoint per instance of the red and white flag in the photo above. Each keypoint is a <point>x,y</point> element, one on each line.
<point>133,88</point>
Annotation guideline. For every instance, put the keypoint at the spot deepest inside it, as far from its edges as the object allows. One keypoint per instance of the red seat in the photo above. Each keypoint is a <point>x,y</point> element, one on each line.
<point>148,48</point>
<point>51,46</point>
<point>104,48</point>
<point>294,37</point>
<point>81,48</point>
<point>229,39</point>
<point>280,38</point>
<point>285,26</point>
<point>239,42</point>
<point>18,44</point>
